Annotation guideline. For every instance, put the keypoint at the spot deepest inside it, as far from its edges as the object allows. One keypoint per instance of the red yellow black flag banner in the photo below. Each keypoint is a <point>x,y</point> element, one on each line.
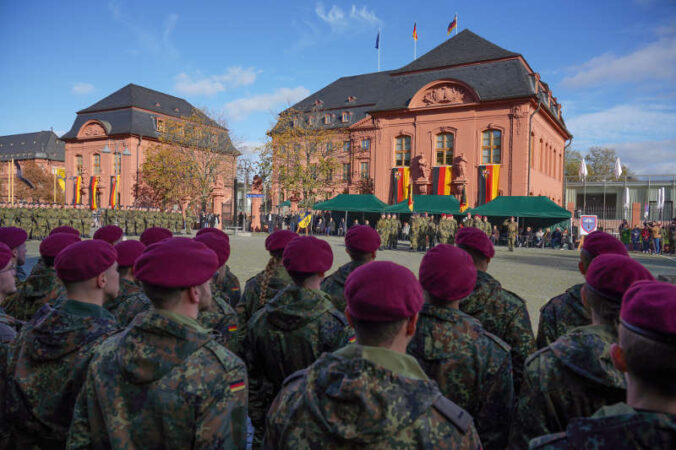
<point>401,180</point>
<point>93,186</point>
<point>114,182</point>
<point>441,180</point>
<point>489,180</point>
<point>77,190</point>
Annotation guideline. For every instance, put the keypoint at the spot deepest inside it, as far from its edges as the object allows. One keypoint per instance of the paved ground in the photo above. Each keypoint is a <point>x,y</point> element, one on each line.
<point>534,274</point>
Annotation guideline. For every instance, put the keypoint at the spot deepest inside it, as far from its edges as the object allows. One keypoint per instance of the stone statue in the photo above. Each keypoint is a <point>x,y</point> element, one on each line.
<point>460,166</point>
<point>257,186</point>
<point>423,167</point>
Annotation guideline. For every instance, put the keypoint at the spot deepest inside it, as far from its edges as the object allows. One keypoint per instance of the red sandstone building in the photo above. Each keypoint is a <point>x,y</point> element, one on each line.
<point>109,140</point>
<point>466,116</point>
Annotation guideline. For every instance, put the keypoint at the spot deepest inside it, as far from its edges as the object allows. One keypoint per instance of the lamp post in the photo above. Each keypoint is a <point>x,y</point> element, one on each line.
<point>245,167</point>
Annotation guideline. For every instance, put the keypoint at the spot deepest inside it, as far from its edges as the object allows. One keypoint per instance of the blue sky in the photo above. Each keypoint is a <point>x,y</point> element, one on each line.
<point>612,64</point>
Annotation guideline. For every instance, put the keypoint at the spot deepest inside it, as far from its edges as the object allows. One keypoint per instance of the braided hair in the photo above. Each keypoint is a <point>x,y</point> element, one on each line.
<point>274,262</point>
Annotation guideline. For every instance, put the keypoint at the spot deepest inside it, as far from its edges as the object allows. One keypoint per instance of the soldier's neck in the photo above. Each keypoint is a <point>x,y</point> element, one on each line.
<point>647,399</point>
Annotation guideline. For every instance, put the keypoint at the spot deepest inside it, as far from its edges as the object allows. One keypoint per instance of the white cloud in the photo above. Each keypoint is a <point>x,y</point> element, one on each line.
<point>655,61</point>
<point>648,157</point>
<point>81,88</point>
<point>241,108</point>
<point>340,20</point>
<point>155,41</point>
<point>213,84</point>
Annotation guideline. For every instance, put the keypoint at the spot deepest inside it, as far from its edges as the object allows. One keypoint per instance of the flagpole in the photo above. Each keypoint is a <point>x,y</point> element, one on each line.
<point>380,36</point>
<point>456,23</point>
<point>415,43</point>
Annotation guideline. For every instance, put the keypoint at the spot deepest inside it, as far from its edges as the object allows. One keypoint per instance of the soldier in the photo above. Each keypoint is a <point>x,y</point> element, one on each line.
<point>25,220</point>
<point>500,311</point>
<point>139,222</point>
<point>487,227</point>
<point>260,288</point>
<point>512,230</point>
<point>370,394</point>
<point>220,316</point>
<point>381,227</point>
<point>567,311</point>
<point>15,238</point>
<point>361,243</point>
<point>227,282</point>
<point>131,299</point>
<point>8,328</point>
<point>139,380</point>
<point>453,228</point>
<point>430,230</point>
<point>468,221</point>
<point>470,364</point>
<point>574,376</point>
<point>294,328</point>
<point>112,234</point>
<point>396,229</point>
<point>444,229</point>
<point>644,353</point>
<point>154,234</point>
<point>49,361</point>
<point>42,286</point>
<point>415,230</point>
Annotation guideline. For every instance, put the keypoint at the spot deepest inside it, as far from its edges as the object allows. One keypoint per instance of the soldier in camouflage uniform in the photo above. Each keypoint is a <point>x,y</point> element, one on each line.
<point>227,282</point>
<point>260,288</point>
<point>361,243</point>
<point>453,228</point>
<point>380,228</point>
<point>512,230</point>
<point>394,232</point>
<point>15,238</point>
<point>220,316</point>
<point>42,285</point>
<point>164,381</point>
<point>567,311</point>
<point>430,230</point>
<point>468,221</point>
<point>644,353</point>
<point>293,328</point>
<point>574,376</point>
<point>48,364</point>
<point>414,232</point>
<point>500,311</point>
<point>487,227</point>
<point>371,394</point>
<point>471,365</point>
<point>8,329</point>
<point>131,300</point>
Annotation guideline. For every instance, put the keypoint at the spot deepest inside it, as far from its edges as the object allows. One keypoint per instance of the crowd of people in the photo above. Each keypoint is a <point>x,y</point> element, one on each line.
<point>653,238</point>
<point>123,343</point>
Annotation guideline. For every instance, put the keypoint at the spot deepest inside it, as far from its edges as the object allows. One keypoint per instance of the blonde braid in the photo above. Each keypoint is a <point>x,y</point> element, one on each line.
<point>273,263</point>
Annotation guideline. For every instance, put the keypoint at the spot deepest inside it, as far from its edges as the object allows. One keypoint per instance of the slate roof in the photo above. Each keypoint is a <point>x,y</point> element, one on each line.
<point>119,114</point>
<point>38,145</point>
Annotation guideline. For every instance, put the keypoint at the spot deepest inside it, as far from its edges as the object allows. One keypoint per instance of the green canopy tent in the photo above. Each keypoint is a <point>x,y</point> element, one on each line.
<point>353,203</point>
<point>432,204</point>
<point>519,206</point>
<point>284,203</point>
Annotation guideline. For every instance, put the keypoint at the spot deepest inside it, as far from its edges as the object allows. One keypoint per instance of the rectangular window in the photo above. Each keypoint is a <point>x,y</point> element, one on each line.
<point>96,163</point>
<point>444,149</point>
<point>327,119</point>
<point>346,172</point>
<point>329,147</point>
<point>402,151</point>
<point>346,117</point>
<point>365,144</point>
<point>78,165</point>
<point>346,146</point>
<point>160,125</point>
<point>364,170</point>
<point>491,147</point>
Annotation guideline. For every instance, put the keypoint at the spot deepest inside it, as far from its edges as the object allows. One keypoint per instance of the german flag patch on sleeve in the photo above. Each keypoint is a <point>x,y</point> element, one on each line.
<point>237,386</point>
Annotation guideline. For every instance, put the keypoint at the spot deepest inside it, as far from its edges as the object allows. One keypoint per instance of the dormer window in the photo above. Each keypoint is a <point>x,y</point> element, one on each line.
<point>351,99</point>
<point>157,104</point>
<point>295,122</point>
<point>345,117</point>
<point>160,125</point>
<point>310,120</point>
<point>176,109</point>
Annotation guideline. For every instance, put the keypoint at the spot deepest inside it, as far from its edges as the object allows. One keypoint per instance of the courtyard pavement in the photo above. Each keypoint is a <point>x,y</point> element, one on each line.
<point>535,274</point>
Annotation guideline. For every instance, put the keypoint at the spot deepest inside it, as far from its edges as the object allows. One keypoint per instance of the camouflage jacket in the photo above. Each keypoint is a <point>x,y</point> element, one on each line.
<point>231,287</point>
<point>614,427</point>
<point>366,397</point>
<point>130,301</point>
<point>504,314</point>
<point>573,377</point>
<point>42,286</point>
<point>221,318</point>
<point>560,315</point>
<point>471,366</point>
<point>47,369</point>
<point>163,382</point>
<point>8,329</point>
<point>250,302</point>
<point>287,335</point>
<point>334,284</point>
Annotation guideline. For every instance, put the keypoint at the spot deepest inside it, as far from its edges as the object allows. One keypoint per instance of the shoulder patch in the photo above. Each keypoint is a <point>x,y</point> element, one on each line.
<point>294,376</point>
<point>454,413</point>
<point>505,346</point>
<point>338,315</point>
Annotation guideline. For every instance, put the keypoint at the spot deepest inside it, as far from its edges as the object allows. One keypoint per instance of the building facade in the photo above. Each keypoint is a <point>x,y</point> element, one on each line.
<point>468,119</point>
<point>107,144</point>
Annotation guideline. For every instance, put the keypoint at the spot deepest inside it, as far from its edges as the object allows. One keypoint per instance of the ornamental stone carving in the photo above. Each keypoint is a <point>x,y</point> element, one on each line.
<point>445,95</point>
<point>93,130</point>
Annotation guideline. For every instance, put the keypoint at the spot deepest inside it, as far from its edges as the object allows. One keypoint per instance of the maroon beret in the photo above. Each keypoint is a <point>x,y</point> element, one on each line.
<point>65,229</point>
<point>447,272</point>
<point>475,239</point>
<point>5,255</point>
<point>212,230</point>
<point>154,234</point>
<point>84,260</point>
<point>176,263</point>
<point>611,275</point>
<point>217,243</point>
<point>278,240</point>
<point>54,243</point>
<point>649,309</point>
<point>109,233</point>
<point>128,252</point>
<point>600,243</point>
<point>13,236</point>
<point>362,238</point>
<point>382,291</point>
<point>307,254</point>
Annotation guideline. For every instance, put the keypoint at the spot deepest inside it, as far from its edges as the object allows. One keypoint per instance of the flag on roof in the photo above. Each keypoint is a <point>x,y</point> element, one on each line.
<point>452,25</point>
<point>378,40</point>
<point>415,32</point>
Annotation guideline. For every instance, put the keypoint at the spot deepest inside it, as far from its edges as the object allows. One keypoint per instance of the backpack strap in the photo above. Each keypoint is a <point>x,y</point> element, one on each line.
<point>454,413</point>
<point>294,376</point>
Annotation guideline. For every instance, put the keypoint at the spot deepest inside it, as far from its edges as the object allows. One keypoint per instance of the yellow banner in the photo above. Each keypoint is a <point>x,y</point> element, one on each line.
<point>61,179</point>
<point>306,221</point>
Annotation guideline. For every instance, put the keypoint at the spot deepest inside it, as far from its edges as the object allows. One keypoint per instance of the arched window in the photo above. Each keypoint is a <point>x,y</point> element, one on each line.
<point>444,149</point>
<point>402,151</point>
<point>542,156</point>
<point>96,164</point>
<point>532,151</point>
<point>491,147</point>
<point>78,165</point>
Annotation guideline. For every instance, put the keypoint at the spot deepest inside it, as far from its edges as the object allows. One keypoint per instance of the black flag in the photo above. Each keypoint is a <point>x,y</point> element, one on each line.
<point>20,175</point>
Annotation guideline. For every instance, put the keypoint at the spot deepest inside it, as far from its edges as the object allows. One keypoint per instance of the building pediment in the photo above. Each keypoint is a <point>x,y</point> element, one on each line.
<point>93,129</point>
<point>443,93</point>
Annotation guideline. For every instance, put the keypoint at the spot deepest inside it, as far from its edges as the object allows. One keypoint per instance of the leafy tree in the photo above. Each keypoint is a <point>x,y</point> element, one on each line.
<point>42,179</point>
<point>600,164</point>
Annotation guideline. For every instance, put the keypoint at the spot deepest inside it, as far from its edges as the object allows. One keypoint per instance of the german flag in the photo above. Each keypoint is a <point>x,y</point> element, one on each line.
<point>77,197</point>
<point>441,180</point>
<point>232,328</point>
<point>415,31</point>
<point>401,180</point>
<point>93,186</point>
<point>237,386</point>
<point>489,181</point>
<point>114,180</point>
<point>353,339</point>
<point>452,25</point>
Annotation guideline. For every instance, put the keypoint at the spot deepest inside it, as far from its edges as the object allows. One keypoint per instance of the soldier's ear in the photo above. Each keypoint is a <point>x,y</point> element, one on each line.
<point>348,317</point>
<point>411,325</point>
<point>617,355</point>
